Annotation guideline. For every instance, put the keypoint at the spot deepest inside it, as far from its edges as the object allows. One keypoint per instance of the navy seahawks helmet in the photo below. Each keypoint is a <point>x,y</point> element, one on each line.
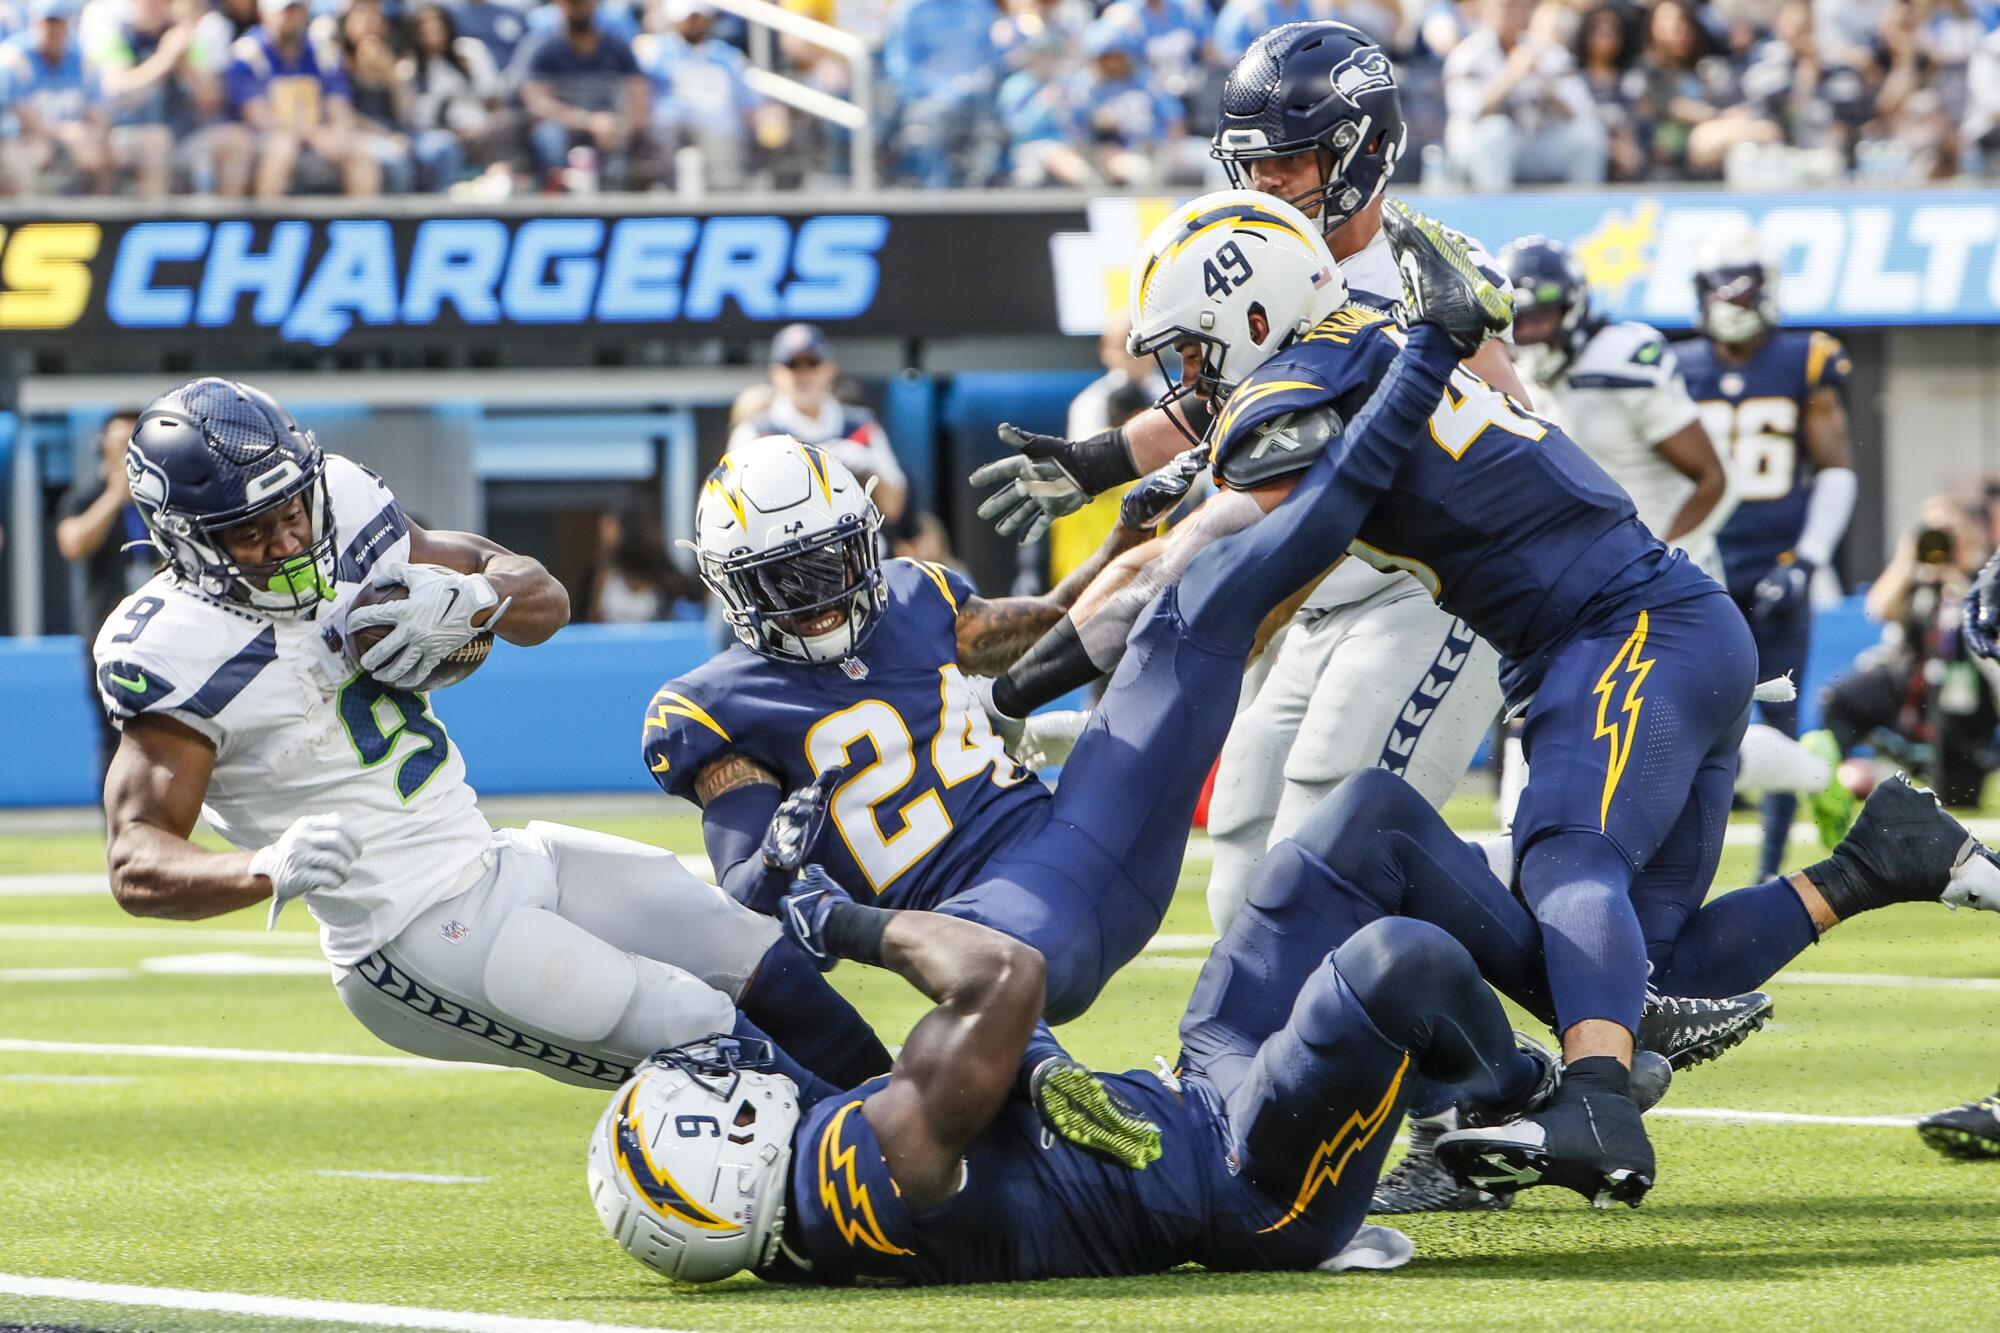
<point>213,454</point>
<point>1324,86</point>
<point>1552,314</point>
<point>1735,287</point>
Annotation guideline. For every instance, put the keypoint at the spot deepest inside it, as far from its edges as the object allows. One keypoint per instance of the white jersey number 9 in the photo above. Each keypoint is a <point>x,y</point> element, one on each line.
<point>1760,436</point>
<point>963,748</point>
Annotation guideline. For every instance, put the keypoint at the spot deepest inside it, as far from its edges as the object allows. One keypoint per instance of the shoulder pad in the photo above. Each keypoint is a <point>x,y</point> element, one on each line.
<point>165,650</point>
<point>913,576</point>
<point>1827,362</point>
<point>366,516</point>
<point>679,737</point>
<point>1622,356</point>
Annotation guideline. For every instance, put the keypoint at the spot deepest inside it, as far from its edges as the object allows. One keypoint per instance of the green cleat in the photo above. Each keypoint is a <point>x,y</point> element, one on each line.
<point>1833,807</point>
<point>1074,1104</point>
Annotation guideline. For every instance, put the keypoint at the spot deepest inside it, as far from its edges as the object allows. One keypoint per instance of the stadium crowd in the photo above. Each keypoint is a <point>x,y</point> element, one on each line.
<point>490,97</point>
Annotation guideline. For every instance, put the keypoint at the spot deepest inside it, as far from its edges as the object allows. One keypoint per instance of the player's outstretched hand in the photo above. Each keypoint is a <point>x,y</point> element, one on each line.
<point>1160,492</point>
<point>802,913</point>
<point>433,622</point>
<point>1037,488</point>
<point>798,821</point>
<point>1783,590</point>
<point>1982,612</point>
<point>315,854</point>
<point>1441,283</point>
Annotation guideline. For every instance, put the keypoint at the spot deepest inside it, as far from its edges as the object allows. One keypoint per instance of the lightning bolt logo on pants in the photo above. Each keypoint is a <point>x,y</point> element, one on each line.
<point>1626,665</point>
<point>1333,1155</point>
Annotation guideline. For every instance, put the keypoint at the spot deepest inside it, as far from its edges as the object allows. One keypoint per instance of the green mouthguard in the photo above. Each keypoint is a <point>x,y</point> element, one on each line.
<point>300,575</point>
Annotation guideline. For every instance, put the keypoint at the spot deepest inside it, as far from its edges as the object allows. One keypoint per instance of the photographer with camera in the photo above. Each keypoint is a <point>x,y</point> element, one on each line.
<point>1920,696</point>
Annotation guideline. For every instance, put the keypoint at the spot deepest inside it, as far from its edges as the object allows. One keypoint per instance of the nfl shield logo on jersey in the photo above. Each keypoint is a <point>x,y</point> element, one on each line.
<point>454,932</point>
<point>855,668</point>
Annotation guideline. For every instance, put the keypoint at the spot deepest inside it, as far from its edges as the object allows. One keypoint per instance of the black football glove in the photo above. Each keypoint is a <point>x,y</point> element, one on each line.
<point>1982,612</point>
<point>802,914</point>
<point>1783,590</point>
<point>799,820</point>
<point>1161,491</point>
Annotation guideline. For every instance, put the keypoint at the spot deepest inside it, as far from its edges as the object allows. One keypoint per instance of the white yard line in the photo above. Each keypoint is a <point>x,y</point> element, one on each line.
<point>1884,980</point>
<point>24,1046</point>
<point>53,886</point>
<point>163,935</point>
<point>414,1177</point>
<point>283,1307</point>
<point>73,1080</point>
<point>41,974</point>
<point>1782,1117</point>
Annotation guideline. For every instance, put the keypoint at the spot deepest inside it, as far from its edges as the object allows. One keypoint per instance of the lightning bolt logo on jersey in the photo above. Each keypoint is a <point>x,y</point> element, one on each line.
<point>1755,412</point>
<point>932,791</point>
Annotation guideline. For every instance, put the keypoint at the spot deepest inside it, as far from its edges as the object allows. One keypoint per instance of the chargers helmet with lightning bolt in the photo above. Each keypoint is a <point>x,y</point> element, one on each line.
<point>788,540</point>
<point>688,1163</point>
<point>1735,287</point>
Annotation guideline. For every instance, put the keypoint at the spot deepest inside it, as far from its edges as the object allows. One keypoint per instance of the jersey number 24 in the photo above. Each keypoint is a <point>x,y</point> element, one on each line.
<point>964,748</point>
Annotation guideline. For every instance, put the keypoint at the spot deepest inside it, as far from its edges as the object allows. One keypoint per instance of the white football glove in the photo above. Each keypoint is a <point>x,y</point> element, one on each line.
<point>1051,736</point>
<point>430,624</point>
<point>1008,727</point>
<point>313,855</point>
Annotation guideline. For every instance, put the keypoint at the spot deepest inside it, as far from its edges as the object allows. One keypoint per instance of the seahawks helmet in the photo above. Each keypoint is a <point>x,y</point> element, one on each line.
<point>1323,86</point>
<point>785,537</point>
<point>688,1163</point>
<point>1552,314</point>
<point>1735,288</point>
<point>213,454</point>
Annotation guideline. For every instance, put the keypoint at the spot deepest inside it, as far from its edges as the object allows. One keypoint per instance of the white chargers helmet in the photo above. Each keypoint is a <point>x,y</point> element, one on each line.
<point>1735,287</point>
<point>1212,263</point>
<point>688,1163</point>
<point>788,539</point>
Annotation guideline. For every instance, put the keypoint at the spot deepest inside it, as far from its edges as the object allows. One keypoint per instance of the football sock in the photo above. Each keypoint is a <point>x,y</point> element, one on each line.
<point>1578,884</point>
<point>1778,807</point>
<point>1596,1073</point>
<point>791,999</point>
<point>1737,942</point>
<point>812,1088</point>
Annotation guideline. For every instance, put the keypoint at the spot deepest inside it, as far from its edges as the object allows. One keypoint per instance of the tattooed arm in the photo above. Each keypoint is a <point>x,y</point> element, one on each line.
<point>738,797</point>
<point>992,632</point>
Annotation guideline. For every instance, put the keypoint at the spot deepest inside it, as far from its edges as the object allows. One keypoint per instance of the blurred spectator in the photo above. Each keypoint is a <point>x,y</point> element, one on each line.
<point>457,111</point>
<point>498,25</point>
<point>803,406</point>
<point>704,112</point>
<point>151,86</point>
<point>1132,128</point>
<point>60,120</point>
<point>620,18</point>
<point>1518,110</point>
<point>294,97</point>
<point>631,581</point>
<point>1607,46</point>
<point>585,92</point>
<point>1037,108</point>
<point>96,520</point>
<point>1173,39</point>
<point>1027,20</point>
<point>1241,22</point>
<point>939,61</point>
<point>381,101</point>
<point>1918,697</point>
<point>1691,98</point>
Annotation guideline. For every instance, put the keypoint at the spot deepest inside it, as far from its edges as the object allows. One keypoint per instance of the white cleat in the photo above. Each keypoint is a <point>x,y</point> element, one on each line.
<point>1975,880</point>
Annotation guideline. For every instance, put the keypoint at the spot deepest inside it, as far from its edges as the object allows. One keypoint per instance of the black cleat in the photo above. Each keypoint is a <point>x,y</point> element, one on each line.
<point>1970,1132</point>
<point>1586,1140</point>
<point>1690,1031</point>
<point>1076,1105</point>
<point>1441,283</point>
<point>1420,1184</point>
<point>1905,848</point>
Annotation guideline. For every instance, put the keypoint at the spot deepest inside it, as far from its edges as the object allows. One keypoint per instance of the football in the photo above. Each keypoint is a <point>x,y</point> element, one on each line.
<point>457,665</point>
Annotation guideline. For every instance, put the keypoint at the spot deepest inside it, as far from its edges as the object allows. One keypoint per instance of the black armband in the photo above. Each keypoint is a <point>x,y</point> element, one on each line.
<point>854,931</point>
<point>1101,461</point>
<point>1054,665</point>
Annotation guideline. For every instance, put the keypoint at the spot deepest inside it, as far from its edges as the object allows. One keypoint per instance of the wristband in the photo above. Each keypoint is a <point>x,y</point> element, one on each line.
<point>1102,461</point>
<point>855,932</point>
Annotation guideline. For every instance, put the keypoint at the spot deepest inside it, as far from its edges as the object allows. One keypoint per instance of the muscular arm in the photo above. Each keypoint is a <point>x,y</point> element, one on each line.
<point>1828,440</point>
<point>738,796</point>
<point>1691,453</point>
<point>152,798</point>
<point>992,633</point>
<point>1493,364</point>
<point>540,606</point>
<point>960,1061</point>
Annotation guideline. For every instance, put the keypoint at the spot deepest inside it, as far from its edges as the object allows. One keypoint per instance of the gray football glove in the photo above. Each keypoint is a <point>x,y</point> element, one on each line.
<point>315,854</point>
<point>1037,488</point>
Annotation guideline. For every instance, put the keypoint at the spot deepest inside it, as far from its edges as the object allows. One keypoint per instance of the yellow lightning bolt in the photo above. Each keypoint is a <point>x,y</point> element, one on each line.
<point>668,704</point>
<point>1626,664</point>
<point>1614,254</point>
<point>861,1225</point>
<point>1332,1156</point>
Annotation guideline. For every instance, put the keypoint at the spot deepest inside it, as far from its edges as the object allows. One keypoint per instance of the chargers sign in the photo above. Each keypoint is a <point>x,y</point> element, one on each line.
<point>343,279</point>
<point>1849,259</point>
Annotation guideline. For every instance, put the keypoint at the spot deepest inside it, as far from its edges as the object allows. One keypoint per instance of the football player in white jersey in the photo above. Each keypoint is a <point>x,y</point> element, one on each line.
<point>1616,387</point>
<point>1369,672</point>
<point>547,948</point>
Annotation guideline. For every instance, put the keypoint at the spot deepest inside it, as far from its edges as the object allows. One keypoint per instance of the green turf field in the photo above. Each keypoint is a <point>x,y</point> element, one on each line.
<point>206,1175</point>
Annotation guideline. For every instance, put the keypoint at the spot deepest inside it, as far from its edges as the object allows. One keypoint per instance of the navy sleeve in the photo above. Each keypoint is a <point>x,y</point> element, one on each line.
<point>732,829</point>
<point>1042,1045</point>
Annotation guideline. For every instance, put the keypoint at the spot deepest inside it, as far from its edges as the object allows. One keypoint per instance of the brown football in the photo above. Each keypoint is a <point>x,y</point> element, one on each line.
<point>461,662</point>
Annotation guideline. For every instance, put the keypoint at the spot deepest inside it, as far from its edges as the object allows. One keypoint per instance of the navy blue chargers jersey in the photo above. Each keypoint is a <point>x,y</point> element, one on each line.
<point>933,793</point>
<point>1755,413</point>
<point>1032,1206</point>
<point>1505,519</point>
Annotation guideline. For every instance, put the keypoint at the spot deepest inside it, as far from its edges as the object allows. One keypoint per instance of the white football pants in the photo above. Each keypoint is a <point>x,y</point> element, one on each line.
<point>576,955</point>
<point>1392,681</point>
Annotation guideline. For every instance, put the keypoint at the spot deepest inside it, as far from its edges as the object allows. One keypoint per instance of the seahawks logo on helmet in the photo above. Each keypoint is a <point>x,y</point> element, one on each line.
<point>1363,72</point>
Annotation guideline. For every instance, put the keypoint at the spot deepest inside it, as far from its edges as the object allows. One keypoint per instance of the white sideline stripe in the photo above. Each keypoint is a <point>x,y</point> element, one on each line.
<point>285,1307</point>
<point>415,1177</point>
<point>1783,1117</point>
<point>235,965</point>
<point>164,935</point>
<point>24,1046</point>
<point>1891,982</point>
<point>74,1080</point>
<point>39,974</point>
<point>53,886</point>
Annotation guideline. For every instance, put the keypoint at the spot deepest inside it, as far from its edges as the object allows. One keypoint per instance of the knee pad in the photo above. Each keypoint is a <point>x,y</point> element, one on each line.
<point>1364,805</point>
<point>550,975</point>
<point>1402,972</point>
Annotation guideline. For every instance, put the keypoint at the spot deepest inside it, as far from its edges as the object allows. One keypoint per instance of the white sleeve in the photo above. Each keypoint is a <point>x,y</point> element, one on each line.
<point>1829,505</point>
<point>1666,409</point>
